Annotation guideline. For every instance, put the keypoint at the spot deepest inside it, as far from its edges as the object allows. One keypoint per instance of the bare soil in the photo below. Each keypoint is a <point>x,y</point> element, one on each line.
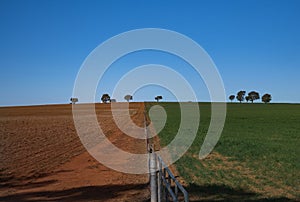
<point>42,158</point>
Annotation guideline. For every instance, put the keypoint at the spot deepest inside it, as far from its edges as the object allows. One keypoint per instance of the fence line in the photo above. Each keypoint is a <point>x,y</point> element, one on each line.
<point>163,184</point>
<point>166,182</point>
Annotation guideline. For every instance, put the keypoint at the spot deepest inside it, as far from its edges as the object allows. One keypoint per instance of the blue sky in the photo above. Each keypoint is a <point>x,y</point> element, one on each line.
<point>254,44</point>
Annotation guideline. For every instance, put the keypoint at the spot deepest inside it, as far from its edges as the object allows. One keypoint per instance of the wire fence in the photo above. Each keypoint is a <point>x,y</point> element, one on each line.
<point>168,186</point>
<point>164,186</point>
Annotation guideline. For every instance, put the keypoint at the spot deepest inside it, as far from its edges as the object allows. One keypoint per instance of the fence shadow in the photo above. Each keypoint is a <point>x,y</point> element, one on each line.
<point>225,193</point>
<point>26,182</point>
<point>87,193</point>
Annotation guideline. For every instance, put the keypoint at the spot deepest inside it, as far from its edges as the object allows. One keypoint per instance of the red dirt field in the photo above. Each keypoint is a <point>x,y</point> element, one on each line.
<point>42,158</point>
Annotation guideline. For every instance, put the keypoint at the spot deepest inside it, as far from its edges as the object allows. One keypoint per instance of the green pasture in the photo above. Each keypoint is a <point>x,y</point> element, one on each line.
<point>256,158</point>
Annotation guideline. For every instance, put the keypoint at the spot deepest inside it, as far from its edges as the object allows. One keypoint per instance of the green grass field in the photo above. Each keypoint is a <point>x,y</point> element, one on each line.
<point>256,158</point>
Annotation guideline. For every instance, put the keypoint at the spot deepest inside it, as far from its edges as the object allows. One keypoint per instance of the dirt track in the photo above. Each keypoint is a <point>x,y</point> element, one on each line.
<point>42,158</point>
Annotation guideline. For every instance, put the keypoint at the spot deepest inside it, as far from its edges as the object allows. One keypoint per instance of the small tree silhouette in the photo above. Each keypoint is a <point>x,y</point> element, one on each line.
<point>128,97</point>
<point>159,97</point>
<point>73,100</point>
<point>266,98</point>
<point>253,96</point>
<point>247,98</point>
<point>231,97</point>
<point>241,95</point>
<point>105,98</point>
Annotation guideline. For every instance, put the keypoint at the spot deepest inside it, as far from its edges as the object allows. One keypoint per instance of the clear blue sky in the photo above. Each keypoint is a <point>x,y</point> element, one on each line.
<point>254,44</point>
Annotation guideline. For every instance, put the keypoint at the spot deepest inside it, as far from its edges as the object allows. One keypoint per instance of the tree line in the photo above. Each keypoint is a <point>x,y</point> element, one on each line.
<point>106,98</point>
<point>240,96</point>
<point>252,96</point>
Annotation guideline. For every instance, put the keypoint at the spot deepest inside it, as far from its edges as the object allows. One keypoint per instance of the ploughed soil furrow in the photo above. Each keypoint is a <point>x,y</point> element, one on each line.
<point>42,158</point>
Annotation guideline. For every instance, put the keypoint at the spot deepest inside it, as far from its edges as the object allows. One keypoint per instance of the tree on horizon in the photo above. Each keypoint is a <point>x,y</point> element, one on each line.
<point>266,98</point>
<point>128,97</point>
<point>253,95</point>
<point>247,98</point>
<point>231,97</point>
<point>159,97</point>
<point>73,100</point>
<point>105,98</point>
<point>241,96</point>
